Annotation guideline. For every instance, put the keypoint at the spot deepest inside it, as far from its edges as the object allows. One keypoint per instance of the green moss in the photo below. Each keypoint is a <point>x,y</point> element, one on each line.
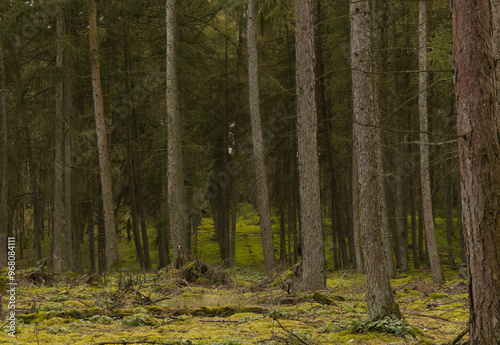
<point>437,295</point>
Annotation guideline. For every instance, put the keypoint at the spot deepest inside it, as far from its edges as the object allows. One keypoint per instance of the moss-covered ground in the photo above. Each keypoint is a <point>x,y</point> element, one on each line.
<point>164,308</point>
<point>234,306</point>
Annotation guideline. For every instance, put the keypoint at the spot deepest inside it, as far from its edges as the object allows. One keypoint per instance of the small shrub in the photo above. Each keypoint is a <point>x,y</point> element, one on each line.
<point>388,324</point>
<point>101,319</point>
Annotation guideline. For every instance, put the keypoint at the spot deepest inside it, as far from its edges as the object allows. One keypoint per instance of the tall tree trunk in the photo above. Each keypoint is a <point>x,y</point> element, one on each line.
<point>258,144</point>
<point>72,243</point>
<point>380,297</point>
<point>476,54</point>
<point>112,258</point>
<point>58,155</point>
<point>313,253</point>
<point>437,273</point>
<point>175,194</point>
<point>3,163</point>
<point>4,220</point>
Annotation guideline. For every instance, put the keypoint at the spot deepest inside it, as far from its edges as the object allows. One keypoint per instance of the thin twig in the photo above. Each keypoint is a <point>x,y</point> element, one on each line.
<point>293,334</point>
<point>333,288</point>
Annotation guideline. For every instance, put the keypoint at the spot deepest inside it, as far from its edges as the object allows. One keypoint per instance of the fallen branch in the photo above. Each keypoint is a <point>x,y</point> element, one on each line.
<point>460,336</point>
<point>292,334</point>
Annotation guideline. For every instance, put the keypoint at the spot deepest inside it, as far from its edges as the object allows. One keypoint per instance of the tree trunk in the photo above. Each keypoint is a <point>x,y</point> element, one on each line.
<point>258,144</point>
<point>3,163</point>
<point>313,254</point>
<point>448,196</point>
<point>356,225</point>
<point>35,200</point>
<point>90,226</point>
<point>430,234</point>
<point>58,155</point>
<point>176,197</point>
<point>379,293</point>
<point>72,243</point>
<point>476,53</point>
<point>112,258</point>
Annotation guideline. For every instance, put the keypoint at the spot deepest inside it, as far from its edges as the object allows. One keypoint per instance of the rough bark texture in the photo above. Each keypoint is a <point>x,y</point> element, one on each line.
<point>430,234</point>
<point>102,142</point>
<point>58,153</point>
<point>4,218</point>
<point>176,197</point>
<point>379,292</point>
<point>258,144</point>
<point>356,225</point>
<point>476,56</point>
<point>313,255</point>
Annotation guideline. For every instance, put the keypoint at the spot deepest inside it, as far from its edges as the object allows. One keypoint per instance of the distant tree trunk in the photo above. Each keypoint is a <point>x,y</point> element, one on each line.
<point>379,293</point>
<point>313,254</point>
<point>90,226</point>
<point>101,240</point>
<point>112,258</point>
<point>35,200</point>
<point>448,196</point>
<point>72,243</point>
<point>476,35</point>
<point>133,204</point>
<point>414,230</point>
<point>4,220</point>
<point>58,155</point>
<point>401,204</point>
<point>437,273</point>
<point>258,144</point>
<point>176,195</point>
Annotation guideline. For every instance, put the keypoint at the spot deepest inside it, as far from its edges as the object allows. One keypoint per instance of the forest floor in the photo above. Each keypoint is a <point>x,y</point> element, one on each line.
<point>204,304</point>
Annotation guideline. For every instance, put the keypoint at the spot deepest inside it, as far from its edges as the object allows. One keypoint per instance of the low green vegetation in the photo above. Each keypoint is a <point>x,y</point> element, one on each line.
<point>202,303</point>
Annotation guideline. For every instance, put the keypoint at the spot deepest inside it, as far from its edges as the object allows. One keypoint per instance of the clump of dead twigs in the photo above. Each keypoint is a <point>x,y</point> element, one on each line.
<point>199,272</point>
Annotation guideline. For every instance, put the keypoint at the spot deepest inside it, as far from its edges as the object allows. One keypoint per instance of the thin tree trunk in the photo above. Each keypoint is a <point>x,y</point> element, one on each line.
<point>415,237</point>
<point>101,240</point>
<point>176,197</point>
<point>112,258</point>
<point>4,162</point>
<point>90,226</point>
<point>437,273</point>
<point>258,143</point>
<point>448,196</point>
<point>35,201</point>
<point>476,36</point>
<point>72,243</point>
<point>379,293</point>
<point>58,156</point>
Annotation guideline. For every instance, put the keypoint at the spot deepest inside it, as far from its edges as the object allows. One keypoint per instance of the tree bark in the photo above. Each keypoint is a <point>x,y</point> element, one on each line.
<point>448,196</point>
<point>313,254</point>
<point>4,217</point>
<point>430,234</point>
<point>263,206</point>
<point>176,197</point>
<point>476,54</point>
<point>379,293</point>
<point>112,258</point>
<point>58,155</point>
<point>4,220</point>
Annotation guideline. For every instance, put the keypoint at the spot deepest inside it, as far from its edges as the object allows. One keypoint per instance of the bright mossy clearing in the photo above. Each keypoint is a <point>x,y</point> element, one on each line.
<point>165,308</point>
